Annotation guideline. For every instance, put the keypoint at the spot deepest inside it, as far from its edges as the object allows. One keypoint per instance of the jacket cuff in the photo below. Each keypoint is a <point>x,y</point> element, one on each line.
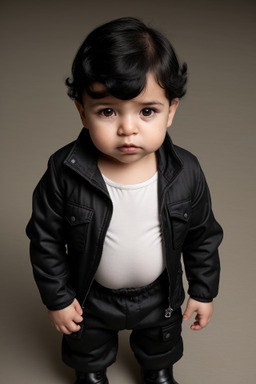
<point>201,299</point>
<point>61,306</point>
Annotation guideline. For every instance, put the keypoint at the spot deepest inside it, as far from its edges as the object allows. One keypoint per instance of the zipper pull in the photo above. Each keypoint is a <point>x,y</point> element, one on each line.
<point>168,312</point>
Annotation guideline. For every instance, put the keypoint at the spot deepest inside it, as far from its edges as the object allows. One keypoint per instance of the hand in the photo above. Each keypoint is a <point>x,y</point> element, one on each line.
<point>65,320</point>
<point>204,313</point>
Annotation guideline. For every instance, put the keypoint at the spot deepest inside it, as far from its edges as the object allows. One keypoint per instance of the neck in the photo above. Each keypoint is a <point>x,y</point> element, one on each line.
<point>131,173</point>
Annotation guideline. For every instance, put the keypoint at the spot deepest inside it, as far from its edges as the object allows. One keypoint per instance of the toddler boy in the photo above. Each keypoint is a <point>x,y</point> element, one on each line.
<point>116,209</point>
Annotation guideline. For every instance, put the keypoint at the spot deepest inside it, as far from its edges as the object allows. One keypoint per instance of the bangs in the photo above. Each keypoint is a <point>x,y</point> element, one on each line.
<point>119,88</point>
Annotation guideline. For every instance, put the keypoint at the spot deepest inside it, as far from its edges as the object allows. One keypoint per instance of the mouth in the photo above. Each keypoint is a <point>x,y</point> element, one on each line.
<point>129,148</point>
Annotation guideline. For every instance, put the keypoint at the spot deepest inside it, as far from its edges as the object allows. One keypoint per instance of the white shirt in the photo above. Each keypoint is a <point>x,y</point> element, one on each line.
<point>132,253</point>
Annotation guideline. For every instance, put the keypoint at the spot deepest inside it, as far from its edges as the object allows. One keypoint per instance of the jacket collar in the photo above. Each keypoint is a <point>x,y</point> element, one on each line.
<point>169,163</point>
<point>83,159</point>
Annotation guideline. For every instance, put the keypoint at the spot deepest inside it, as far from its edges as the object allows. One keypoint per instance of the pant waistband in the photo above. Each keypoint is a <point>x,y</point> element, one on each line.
<point>162,280</point>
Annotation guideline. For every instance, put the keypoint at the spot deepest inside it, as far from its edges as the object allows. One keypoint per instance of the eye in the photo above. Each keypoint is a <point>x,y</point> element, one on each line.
<point>147,112</point>
<point>107,112</point>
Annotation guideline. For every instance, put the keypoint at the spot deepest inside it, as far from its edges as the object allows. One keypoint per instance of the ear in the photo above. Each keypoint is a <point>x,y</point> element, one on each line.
<point>172,110</point>
<point>81,111</point>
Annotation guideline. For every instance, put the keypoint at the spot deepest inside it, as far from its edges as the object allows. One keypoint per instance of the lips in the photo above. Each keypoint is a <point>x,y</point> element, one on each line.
<point>129,148</point>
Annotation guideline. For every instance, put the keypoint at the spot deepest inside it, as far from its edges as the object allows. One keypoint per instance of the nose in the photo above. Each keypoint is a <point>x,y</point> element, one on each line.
<point>127,126</point>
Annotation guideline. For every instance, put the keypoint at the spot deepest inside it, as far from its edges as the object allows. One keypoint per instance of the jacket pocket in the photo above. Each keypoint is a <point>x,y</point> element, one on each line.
<point>78,219</point>
<point>180,215</point>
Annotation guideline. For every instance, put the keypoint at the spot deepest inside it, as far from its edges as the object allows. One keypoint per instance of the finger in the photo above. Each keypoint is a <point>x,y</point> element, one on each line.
<point>78,307</point>
<point>199,324</point>
<point>77,318</point>
<point>73,327</point>
<point>187,314</point>
<point>196,326</point>
<point>203,322</point>
<point>61,328</point>
<point>65,330</point>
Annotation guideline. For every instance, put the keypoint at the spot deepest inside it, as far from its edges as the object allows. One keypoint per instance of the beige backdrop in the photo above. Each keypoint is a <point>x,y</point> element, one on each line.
<point>216,121</point>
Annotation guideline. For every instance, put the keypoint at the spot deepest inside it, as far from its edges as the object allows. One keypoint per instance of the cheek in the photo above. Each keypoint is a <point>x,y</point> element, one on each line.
<point>101,139</point>
<point>156,138</point>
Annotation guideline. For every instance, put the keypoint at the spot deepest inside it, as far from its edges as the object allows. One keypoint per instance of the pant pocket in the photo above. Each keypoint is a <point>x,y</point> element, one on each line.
<point>171,332</point>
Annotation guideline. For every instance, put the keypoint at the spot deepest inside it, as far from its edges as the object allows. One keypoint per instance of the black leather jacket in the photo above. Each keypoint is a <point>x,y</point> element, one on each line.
<point>72,210</point>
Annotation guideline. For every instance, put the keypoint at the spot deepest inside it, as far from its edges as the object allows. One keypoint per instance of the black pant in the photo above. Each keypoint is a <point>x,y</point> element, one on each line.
<point>155,340</point>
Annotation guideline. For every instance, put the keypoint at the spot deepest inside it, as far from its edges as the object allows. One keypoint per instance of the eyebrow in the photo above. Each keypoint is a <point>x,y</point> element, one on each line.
<point>152,103</point>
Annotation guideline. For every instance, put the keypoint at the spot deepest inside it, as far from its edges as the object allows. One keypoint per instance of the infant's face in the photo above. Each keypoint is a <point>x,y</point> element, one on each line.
<point>128,131</point>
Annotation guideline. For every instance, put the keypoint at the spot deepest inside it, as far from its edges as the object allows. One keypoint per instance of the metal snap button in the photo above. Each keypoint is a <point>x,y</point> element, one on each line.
<point>185,215</point>
<point>72,219</point>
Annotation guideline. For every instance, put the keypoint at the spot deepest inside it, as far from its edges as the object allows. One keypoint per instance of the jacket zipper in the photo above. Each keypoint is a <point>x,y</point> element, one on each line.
<point>169,310</point>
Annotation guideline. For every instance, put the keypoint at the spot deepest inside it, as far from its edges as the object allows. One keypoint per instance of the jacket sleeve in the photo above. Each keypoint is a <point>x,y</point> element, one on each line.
<point>46,230</point>
<point>200,249</point>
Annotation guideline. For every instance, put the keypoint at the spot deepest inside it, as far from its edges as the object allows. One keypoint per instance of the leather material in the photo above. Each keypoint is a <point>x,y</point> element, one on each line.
<point>92,377</point>
<point>72,211</point>
<point>162,376</point>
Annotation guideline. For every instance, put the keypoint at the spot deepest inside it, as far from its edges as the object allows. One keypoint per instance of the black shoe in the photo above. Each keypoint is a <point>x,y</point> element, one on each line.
<point>92,377</point>
<point>162,376</point>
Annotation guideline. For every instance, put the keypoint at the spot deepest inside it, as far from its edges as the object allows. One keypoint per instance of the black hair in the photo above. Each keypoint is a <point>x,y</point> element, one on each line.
<point>119,54</point>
